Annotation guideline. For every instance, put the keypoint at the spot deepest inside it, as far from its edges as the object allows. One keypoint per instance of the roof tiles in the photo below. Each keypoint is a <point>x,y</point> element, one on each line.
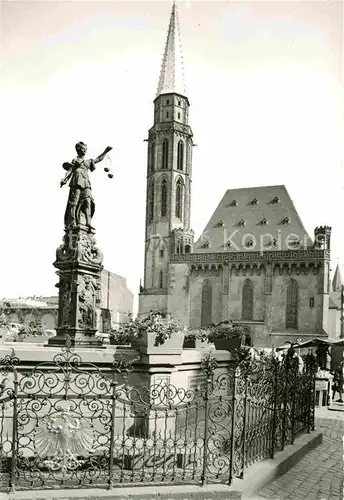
<point>252,219</point>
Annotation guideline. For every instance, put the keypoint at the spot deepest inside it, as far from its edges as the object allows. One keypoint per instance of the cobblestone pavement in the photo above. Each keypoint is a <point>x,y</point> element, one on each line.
<point>319,475</point>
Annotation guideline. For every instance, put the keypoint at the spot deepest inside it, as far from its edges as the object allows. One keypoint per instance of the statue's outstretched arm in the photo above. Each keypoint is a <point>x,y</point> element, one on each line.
<point>102,156</point>
<point>69,168</point>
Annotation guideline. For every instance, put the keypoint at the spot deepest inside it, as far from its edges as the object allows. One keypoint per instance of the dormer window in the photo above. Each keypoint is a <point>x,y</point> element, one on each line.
<point>270,241</point>
<point>220,223</point>
<point>264,221</point>
<point>295,243</point>
<point>286,220</point>
<point>276,200</point>
<point>249,243</point>
<point>228,244</point>
<point>206,244</point>
<point>254,201</point>
<point>234,203</point>
<point>242,222</point>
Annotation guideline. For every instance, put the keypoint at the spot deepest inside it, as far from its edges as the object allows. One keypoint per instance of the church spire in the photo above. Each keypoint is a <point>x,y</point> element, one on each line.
<point>337,281</point>
<point>172,72</point>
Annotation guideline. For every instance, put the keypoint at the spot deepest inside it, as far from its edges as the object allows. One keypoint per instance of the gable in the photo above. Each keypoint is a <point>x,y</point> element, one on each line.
<point>256,219</point>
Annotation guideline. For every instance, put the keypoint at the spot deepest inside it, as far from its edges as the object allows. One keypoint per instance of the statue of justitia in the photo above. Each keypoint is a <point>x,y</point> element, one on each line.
<point>80,201</point>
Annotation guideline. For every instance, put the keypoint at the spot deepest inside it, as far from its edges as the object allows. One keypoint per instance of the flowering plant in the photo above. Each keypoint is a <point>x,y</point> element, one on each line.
<point>196,335</point>
<point>162,325</point>
<point>226,330</point>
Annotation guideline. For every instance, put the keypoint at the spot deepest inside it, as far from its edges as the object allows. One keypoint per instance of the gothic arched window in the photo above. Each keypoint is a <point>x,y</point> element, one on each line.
<point>188,159</point>
<point>180,156</point>
<point>292,304</point>
<point>247,300</point>
<point>206,303</point>
<point>164,198</point>
<point>164,158</point>
<point>161,279</point>
<point>151,202</point>
<point>179,201</point>
<point>248,340</point>
<point>152,158</point>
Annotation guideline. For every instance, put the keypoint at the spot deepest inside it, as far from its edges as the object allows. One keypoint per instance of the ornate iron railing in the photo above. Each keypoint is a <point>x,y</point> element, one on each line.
<point>67,424</point>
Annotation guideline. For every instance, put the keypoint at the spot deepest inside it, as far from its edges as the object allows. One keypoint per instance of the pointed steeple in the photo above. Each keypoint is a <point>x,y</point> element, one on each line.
<point>172,71</point>
<point>337,281</point>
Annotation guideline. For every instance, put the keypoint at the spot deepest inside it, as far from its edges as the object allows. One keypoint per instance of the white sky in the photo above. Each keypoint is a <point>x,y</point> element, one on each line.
<point>264,81</point>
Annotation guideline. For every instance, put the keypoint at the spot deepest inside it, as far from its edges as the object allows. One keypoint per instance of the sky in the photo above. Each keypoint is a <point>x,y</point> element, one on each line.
<point>264,80</point>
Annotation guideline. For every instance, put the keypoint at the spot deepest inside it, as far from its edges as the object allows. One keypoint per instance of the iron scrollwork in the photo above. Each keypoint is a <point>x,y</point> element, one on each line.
<point>75,426</point>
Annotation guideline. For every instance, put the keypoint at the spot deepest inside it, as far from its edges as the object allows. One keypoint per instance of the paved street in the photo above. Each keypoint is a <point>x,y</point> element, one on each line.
<point>319,475</point>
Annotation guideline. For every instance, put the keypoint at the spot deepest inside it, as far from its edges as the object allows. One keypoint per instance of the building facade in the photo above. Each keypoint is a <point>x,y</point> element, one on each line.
<point>254,262</point>
<point>38,310</point>
<point>115,306</point>
<point>336,307</point>
<point>116,302</point>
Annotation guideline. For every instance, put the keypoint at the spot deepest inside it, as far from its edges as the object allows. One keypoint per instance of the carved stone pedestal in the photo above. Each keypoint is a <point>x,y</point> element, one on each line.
<point>79,264</point>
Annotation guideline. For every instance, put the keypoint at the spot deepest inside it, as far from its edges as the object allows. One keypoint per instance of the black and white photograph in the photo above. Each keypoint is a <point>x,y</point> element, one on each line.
<point>172,258</point>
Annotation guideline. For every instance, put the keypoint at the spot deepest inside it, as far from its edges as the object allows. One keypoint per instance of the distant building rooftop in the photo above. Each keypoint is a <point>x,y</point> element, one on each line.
<point>28,302</point>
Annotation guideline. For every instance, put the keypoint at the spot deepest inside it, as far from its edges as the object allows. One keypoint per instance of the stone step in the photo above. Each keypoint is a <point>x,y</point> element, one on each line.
<point>336,406</point>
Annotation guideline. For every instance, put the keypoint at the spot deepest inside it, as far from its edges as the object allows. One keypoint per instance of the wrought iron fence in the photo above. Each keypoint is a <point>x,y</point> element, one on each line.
<point>67,424</point>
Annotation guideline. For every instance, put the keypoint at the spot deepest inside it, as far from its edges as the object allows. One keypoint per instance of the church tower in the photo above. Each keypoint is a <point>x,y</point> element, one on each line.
<point>169,165</point>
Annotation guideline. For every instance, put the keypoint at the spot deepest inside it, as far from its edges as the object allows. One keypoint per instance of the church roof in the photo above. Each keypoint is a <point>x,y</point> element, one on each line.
<point>172,70</point>
<point>252,219</point>
<point>337,281</point>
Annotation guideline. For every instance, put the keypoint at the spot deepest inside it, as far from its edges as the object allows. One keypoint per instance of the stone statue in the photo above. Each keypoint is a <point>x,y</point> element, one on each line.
<point>80,203</point>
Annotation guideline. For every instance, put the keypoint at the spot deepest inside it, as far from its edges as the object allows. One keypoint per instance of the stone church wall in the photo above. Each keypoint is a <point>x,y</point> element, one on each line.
<point>156,302</point>
<point>259,334</point>
<point>178,297</point>
<point>269,309</point>
<point>196,282</point>
<point>308,288</point>
<point>235,293</point>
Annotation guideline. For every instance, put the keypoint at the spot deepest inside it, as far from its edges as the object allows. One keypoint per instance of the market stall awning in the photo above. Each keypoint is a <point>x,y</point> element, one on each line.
<point>339,342</point>
<point>315,343</point>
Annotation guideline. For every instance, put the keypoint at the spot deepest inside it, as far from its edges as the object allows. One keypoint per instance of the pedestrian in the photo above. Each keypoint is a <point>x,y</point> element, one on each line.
<point>338,382</point>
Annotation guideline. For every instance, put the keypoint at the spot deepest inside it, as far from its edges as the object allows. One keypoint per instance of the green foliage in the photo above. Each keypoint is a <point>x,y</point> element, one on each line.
<point>241,355</point>
<point>196,335</point>
<point>162,325</point>
<point>208,365</point>
<point>226,330</point>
